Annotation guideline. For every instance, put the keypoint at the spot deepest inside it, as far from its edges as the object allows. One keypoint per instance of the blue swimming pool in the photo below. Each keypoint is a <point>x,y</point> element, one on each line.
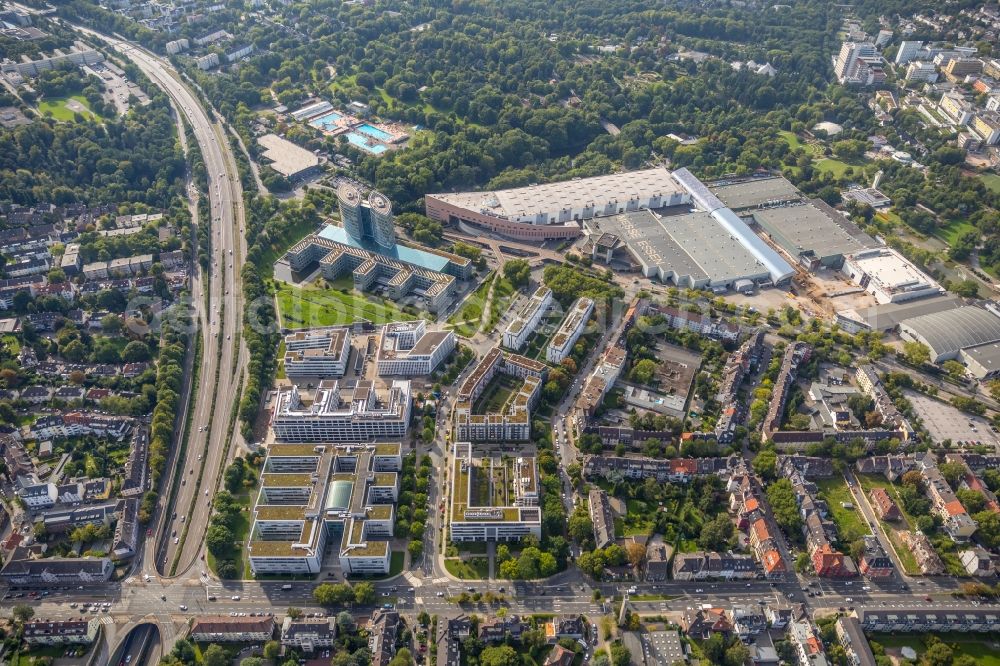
<point>361,142</point>
<point>375,132</point>
<point>327,121</point>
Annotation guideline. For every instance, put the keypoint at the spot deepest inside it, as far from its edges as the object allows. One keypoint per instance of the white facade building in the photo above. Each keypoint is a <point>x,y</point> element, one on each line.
<point>569,331</point>
<point>888,276</point>
<point>407,348</point>
<point>527,319</point>
<point>343,412</point>
<point>319,353</point>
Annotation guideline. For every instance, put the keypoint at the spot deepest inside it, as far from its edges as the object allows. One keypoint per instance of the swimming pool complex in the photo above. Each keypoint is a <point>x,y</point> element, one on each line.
<point>327,121</point>
<point>374,132</point>
<point>361,142</point>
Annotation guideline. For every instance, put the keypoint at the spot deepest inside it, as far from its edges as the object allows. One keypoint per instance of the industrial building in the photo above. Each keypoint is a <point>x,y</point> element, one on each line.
<point>887,317</point>
<point>318,353</point>
<point>746,193</point>
<point>888,276</point>
<point>948,333</point>
<point>555,210</point>
<point>315,497</point>
<point>493,497</point>
<point>342,411</point>
<point>812,233</point>
<point>569,331</point>
<point>407,348</point>
<point>288,159</point>
<point>527,319</point>
<point>366,247</point>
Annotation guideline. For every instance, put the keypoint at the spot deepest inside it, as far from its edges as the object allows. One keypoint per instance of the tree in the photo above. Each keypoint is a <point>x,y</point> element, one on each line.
<point>135,352</point>
<point>620,655</point>
<point>22,613</point>
<point>518,272</point>
<point>644,371</point>
<point>716,534</point>
<point>766,464</point>
<point>736,655</point>
<point>272,649</point>
<point>218,539</point>
<point>499,655</point>
<point>330,594</point>
<point>635,552</point>
<point>916,353</point>
<point>952,472</point>
<point>913,479</point>
<point>214,655</point>
<point>415,548</point>
<point>252,661</point>
<point>364,593</point>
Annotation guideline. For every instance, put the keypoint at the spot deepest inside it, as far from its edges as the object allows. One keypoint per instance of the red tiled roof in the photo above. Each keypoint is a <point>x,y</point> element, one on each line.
<point>954,508</point>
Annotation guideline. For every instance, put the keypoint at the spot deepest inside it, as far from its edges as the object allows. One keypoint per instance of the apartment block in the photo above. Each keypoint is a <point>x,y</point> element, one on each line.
<point>408,348</point>
<point>527,319</point>
<point>318,353</point>
<point>308,634</point>
<point>570,330</point>
<point>922,620</point>
<point>853,640</point>
<point>228,629</point>
<point>957,522</point>
<point>701,565</point>
<point>494,497</point>
<point>674,470</point>
<point>737,366</point>
<point>796,354</point>
<point>343,411</point>
<point>513,420</point>
<point>61,632</point>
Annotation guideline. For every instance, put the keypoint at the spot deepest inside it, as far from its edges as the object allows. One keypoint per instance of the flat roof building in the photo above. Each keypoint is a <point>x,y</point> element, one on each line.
<point>342,411</point>
<point>288,159</point>
<point>407,348</point>
<point>554,210</point>
<point>888,276</point>
<point>317,353</point>
<point>812,233</point>
<point>494,497</point>
<point>314,497</point>
<point>887,317</point>
<point>753,192</point>
<point>527,319</point>
<point>569,331</point>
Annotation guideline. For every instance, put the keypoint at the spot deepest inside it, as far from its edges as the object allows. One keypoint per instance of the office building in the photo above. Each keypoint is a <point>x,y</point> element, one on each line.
<point>908,51</point>
<point>343,411</point>
<point>494,497</point>
<point>859,63</point>
<point>318,497</point>
<point>317,353</point>
<point>921,71</point>
<point>407,348</point>
<point>527,319</point>
<point>308,634</point>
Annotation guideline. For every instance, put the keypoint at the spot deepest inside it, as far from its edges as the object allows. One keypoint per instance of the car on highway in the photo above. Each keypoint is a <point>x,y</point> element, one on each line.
<point>177,540</point>
<point>183,607</point>
<point>235,597</point>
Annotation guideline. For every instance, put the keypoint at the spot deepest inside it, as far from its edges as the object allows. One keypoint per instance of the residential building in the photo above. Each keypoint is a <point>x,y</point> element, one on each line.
<point>701,623</point>
<point>497,629</point>
<point>570,330</point>
<point>957,522</point>
<point>808,646</point>
<point>317,353</point>
<point>955,107</point>
<point>675,470</point>
<point>921,71</point>
<point>527,319</point>
<point>859,63</point>
<point>778,617</point>
<point>853,640</point>
<point>926,620</point>
<point>565,626</point>
<point>514,422</point>
<point>986,125</point>
<point>343,411</point>
<point>560,656</point>
<point>875,563</point>
<point>20,569</point>
<point>601,380</point>
<point>382,630</point>
<point>748,621</point>
<point>795,354</point>
<point>739,363</point>
<point>701,565</point>
<point>61,632</point>
<point>308,634</point>
<point>602,517</point>
<point>229,629</point>
<point>38,495</point>
<point>927,558</point>
<point>408,348</point>
<point>509,512</point>
<point>657,561</point>
<point>885,507</point>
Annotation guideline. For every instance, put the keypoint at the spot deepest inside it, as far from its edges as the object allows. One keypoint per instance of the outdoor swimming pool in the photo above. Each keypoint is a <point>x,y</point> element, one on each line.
<point>327,121</point>
<point>361,142</point>
<point>374,132</point>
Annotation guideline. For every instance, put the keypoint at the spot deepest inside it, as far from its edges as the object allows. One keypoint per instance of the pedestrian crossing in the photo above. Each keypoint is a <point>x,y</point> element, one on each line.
<point>107,619</point>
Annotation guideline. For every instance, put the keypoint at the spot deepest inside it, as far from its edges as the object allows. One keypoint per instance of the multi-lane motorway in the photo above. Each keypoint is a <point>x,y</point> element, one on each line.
<point>223,358</point>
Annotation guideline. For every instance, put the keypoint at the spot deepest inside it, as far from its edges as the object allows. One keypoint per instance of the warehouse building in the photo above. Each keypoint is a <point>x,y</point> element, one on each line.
<point>948,333</point>
<point>554,210</point>
<point>754,192</point>
<point>887,317</point>
<point>888,276</point>
<point>812,233</point>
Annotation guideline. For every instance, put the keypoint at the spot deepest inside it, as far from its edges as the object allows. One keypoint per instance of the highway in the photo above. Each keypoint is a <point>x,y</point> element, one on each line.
<point>223,354</point>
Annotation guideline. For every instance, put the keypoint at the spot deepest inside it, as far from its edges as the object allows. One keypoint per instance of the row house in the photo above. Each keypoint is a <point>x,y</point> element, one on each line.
<point>674,470</point>
<point>977,462</point>
<point>885,507</point>
<point>695,322</point>
<point>809,649</point>
<point>890,466</point>
<point>819,531</point>
<point>871,385</point>
<point>228,629</point>
<point>747,505</point>
<point>922,620</point>
<point>795,354</point>
<point>971,481</point>
<point>383,628</point>
<point>702,623</point>
<point>958,524</point>
<point>701,565</point>
<point>811,467</point>
<point>739,363</point>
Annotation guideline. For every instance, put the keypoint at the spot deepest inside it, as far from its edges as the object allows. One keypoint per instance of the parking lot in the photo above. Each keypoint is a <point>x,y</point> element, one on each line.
<point>117,87</point>
<point>945,422</point>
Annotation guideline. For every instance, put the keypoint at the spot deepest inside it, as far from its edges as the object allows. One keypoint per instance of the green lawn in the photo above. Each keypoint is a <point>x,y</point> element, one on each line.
<point>315,306</point>
<point>497,394</point>
<point>503,294</point>
<point>57,107</point>
<point>984,653</point>
<point>950,233</point>
<point>467,318</point>
<point>850,525</point>
<point>635,521</point>
<point>475,568</point>
<point>868,482</point>
<point>992,181</point>
<point>836,167</point>
<point>11,343</point>
<point>791,138</point>
<point>297,232</point>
